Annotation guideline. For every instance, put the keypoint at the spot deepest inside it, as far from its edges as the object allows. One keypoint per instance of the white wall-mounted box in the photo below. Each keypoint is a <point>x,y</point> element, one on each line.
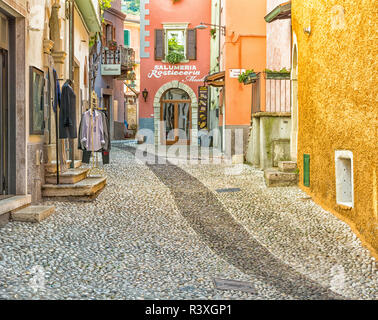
<point>344,178</point>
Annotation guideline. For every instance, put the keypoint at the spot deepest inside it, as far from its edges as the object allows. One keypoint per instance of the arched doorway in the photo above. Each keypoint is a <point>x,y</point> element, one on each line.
<point>294,112</point>
<point>175,116</point>
<point>192,139</point>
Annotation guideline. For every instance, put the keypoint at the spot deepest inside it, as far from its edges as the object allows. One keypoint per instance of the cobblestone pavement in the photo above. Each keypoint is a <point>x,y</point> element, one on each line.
<point>163,232</point>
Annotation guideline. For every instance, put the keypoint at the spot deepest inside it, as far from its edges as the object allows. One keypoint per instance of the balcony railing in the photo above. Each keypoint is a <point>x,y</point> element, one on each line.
<point>271,93</point>
<point>119,56</point>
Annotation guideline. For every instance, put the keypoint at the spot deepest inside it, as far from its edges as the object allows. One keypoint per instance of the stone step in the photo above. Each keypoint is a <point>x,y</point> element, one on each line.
<point>71,176</point>
<point>12,203</point>
<point>275,178</point>
<point>85,190</point>
<point>50,168</point>
<point>32,213</point>
<point>287,166</point>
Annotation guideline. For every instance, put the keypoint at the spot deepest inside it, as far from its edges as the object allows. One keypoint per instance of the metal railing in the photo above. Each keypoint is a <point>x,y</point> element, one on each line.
<point>271,93</point>
<point>123,56</point>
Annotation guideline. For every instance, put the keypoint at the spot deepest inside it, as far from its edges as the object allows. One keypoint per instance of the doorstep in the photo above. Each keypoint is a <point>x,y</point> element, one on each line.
<point>13,203</point>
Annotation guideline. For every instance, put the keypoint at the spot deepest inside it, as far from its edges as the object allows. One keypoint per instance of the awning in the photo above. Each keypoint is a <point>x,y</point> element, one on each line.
<point>216,79</point>
<point>90,16</point>
<point>283,11</point>
<point>132,89</point>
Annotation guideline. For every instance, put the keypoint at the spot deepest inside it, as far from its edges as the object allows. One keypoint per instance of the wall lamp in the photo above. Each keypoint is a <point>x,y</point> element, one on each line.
<point>203,25</point>
<point>145,94</point>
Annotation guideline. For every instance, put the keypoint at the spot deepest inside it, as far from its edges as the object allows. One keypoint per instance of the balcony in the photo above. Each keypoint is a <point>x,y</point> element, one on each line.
<point>117,61</point>
<point>125,57</point>
<point>271,93</point>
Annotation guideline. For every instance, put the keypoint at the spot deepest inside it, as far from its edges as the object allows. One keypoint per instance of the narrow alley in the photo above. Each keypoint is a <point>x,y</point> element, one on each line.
<point>165,231</point>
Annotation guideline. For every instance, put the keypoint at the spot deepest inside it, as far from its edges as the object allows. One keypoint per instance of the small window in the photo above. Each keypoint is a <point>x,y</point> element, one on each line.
<point>344,178</point>
<point>175,40</point>
<point>37,80</point>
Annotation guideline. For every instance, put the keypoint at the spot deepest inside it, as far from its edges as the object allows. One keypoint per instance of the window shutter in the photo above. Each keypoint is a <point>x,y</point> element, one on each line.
<point>159,44</point>
<point>113,33</point>
<point>126,36</point>
<point>104,34</point>
<point>191,44</point>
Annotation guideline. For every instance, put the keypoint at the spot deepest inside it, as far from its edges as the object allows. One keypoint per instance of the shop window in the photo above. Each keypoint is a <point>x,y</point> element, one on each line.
<point>344,178</point>
<point>36,101</point>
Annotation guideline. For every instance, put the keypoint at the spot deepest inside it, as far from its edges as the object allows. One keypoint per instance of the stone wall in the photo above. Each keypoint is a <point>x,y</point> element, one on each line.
<point>269,140</point>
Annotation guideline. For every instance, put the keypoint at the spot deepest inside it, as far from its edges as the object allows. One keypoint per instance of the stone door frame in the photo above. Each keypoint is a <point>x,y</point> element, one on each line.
<point>194,106</point>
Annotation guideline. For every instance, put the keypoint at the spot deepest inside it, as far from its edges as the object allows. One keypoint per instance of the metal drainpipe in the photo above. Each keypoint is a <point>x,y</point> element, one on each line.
<point>71,71</point>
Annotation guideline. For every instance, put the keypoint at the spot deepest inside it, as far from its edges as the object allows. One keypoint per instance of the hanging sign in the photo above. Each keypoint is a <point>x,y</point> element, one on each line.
<point>110,69</point>
<point>203,94</point>
<point>235,73</point>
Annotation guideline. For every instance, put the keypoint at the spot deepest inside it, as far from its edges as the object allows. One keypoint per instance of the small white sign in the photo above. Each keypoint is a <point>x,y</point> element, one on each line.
<point>110,69</point>
<point>235,73</point>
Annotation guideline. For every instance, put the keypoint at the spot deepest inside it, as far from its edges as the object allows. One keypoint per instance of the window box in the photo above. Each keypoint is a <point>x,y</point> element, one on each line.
<point>251,78</point>
<point>277,75</point>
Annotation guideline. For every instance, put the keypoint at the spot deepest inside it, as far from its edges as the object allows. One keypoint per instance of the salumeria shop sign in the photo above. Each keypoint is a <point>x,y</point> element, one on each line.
<point>190,73</point>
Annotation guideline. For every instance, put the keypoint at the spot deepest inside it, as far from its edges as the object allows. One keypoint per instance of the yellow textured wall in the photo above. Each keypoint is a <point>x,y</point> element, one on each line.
<point>337,103</point>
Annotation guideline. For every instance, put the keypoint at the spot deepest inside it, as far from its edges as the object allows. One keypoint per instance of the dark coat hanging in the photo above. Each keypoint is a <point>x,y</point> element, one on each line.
<point>67,114</point>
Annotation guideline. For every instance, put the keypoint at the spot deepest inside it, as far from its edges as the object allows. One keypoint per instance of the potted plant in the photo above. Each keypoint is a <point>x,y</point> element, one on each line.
<point>112,45</point>
<point>175,57</point>
<point>282,74</point>
<point>247,77</point>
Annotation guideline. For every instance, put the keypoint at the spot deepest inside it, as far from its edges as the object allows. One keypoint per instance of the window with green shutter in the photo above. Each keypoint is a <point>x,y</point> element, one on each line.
<point>126,36</point>
<point>306,170</point>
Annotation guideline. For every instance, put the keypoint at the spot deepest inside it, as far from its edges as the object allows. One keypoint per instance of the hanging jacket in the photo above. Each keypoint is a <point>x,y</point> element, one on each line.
<point>92,127</point>
<point>67,114</point>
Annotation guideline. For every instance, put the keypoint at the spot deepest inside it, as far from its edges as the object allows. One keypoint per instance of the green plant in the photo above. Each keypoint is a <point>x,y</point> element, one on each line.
<point>283,70</point>
<point>173,46</point>
<point>243,76</point>
<point>175,57</point>
<point>213,33</point>
<point>175,51</point>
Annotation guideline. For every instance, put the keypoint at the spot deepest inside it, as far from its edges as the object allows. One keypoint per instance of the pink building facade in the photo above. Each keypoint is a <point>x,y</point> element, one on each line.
<point>170,110</point>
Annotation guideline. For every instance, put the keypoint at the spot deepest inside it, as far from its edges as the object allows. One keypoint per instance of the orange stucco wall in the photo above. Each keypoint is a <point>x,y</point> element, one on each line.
<point>244,48</point>
<point>337,104</point>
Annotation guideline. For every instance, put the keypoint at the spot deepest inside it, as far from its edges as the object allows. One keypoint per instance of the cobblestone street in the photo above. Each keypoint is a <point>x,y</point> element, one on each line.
<point>163,231</point>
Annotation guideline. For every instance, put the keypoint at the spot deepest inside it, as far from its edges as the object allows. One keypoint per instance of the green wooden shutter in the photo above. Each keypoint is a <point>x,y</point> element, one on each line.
<point>126,37</point>
<point>191,44</point>
<point>306,170</point>
<point>159,44</point>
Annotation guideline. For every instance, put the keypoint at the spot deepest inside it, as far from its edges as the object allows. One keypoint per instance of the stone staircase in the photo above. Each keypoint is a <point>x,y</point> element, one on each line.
<point>284,176</point>
<point>74,184</point>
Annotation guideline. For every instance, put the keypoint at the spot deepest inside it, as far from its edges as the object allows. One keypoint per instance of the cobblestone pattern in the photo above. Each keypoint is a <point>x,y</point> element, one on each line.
<point>295,229</point>
<point>149,235</point>
<point>131,243</point>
